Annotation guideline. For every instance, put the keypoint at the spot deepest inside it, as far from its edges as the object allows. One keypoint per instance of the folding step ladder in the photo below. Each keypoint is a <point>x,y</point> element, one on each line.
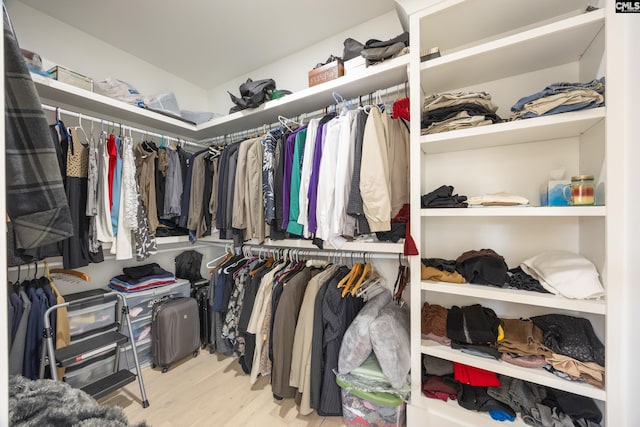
<point>85,349</point>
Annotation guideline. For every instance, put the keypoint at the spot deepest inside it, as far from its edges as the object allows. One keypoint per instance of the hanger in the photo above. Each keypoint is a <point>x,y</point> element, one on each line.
<point>367,271</point>
<point>283,121</point>
<point>371,287</point>
<point>76,273</point>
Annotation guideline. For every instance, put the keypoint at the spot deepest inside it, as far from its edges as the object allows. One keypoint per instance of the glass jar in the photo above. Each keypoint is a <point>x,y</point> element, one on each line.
<point>582,190</point>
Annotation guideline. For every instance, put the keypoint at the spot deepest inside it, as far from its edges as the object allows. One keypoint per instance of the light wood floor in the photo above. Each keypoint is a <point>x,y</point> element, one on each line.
<point>210,390</point>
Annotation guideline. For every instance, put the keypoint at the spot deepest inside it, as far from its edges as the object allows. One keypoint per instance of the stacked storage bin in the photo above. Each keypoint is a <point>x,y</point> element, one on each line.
<point>88,319</point>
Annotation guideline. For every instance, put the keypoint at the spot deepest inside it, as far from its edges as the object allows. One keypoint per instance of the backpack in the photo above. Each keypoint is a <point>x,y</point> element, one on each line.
<point>252,94</point>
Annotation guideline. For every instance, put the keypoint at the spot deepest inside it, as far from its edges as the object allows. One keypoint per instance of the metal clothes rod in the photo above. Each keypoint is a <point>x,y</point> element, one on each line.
<point>345,255</point>
<point>111,123</point>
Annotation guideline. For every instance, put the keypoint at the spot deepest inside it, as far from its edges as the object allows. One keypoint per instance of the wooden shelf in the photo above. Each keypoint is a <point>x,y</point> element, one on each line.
<point>557,126</point>
<point>516,296</point>
<point>517,211</point>
<point>551,45</point>
<point>537,375</point>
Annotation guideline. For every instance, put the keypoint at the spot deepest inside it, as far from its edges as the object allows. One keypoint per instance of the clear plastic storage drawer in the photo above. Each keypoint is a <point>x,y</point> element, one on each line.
<point>91,370</point>
<point>92,318</point>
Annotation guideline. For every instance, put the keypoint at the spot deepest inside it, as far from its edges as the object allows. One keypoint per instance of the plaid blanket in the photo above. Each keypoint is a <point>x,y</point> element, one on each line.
<point>36,200</point>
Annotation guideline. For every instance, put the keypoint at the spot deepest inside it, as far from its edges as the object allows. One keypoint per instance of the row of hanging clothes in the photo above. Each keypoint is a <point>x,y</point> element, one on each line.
<point>283,314</point>
<point>120,192</point>
<point>341,175</point>
<point>28,299</point>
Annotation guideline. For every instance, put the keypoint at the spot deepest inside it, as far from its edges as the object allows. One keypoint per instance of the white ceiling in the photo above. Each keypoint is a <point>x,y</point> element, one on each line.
<point>208,42</point>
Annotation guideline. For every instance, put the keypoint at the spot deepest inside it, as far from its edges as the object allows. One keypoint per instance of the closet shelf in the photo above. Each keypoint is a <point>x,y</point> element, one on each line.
<point>516,296</point>
<point>69,96</point>
<point>557,126</point>
<point>537,375</point>
<point>544,47</point>
<point>367,80</point>
<point>435,23</point>
<point>451,410</point>
<point>386,74</point>
<point>518,211</point>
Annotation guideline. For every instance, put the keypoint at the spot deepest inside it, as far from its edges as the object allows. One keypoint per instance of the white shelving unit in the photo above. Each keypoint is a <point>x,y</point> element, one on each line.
<point>515,50</point>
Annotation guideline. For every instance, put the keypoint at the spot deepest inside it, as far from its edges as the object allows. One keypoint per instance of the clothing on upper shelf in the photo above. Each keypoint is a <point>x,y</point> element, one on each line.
<point>498,199</point>
<point>560,98</point>
<point>483,267</point>
<point>443,197</point>
<point>141,278</point>
<point>444,112</point>
<point>568,274</point>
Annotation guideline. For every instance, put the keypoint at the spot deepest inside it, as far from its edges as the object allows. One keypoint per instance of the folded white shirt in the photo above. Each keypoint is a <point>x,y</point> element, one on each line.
<point>565,273</point>
<point>501,198</point>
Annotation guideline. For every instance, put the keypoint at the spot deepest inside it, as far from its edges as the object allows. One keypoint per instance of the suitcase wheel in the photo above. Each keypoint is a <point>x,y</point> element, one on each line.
<point>195,353</point>
<point>165,369</point>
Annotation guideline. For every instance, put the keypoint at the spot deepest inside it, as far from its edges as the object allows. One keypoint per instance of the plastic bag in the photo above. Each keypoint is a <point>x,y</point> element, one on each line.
<point>117,89</point>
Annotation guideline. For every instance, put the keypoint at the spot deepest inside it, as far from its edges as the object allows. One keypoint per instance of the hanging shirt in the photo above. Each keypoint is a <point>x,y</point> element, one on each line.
<point>145,170</point>
<point>173,185</point>
<point>112,151</point>
<point>374,178</point>
<point>354,204</point>
<point>269,143</point>
<point>128,206</point>
<point>116,187</point>
<point>344,170</point>
<point>315,171</point>
<point>286,182</point>
<point>305,175</point>
<point>92,178</point>
<point>293,226</point>
<point>326,178</point>
<point>104,229</point>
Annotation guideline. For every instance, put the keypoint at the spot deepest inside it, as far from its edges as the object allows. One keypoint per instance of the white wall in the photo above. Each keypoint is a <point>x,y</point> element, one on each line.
<point>61,44</point>
<point>291,72</point>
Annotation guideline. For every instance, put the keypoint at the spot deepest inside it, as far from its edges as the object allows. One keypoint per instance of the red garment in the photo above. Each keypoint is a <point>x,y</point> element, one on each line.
<point>435,388</point>
<point>474,376</point>
<point>112,149</point>
<point>401,109</point>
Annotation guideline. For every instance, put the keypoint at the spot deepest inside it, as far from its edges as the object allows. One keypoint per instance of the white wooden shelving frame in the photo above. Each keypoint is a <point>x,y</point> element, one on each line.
<point>486,43</point>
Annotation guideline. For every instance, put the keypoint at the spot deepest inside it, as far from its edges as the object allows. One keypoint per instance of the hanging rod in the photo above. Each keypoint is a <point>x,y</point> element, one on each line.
<point>355,255</point>
<point>111,123</point>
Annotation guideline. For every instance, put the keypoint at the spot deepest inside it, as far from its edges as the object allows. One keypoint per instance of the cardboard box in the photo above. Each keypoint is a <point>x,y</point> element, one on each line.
<point>327,72</point>
<point>71,77</point>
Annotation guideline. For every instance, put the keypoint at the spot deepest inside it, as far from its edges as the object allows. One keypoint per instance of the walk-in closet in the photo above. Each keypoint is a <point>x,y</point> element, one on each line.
<point>365,213</point>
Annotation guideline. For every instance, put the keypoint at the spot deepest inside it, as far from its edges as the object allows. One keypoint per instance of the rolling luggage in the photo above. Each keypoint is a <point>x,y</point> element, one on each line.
<point>175,331</point>
<point>200,292</point>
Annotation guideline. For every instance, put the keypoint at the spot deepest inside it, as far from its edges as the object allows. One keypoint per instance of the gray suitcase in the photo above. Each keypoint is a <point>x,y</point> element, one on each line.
<point>175,331</point>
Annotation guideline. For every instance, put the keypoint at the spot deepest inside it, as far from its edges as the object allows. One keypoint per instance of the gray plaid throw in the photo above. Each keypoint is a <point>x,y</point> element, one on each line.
<point>36,201</point>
